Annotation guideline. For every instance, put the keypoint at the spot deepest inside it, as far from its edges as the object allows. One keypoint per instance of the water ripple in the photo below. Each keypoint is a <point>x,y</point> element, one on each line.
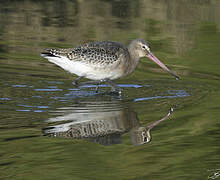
<point>5,99</point>
<point>119,85</point>
<point>174,94</point>
<point>50,90</point>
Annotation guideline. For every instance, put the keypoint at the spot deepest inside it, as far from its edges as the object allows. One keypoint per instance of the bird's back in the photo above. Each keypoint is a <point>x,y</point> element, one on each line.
<point>94,53</point>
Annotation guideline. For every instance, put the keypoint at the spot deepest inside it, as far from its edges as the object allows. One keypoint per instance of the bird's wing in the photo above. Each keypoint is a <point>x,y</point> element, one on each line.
<point>105,52</point>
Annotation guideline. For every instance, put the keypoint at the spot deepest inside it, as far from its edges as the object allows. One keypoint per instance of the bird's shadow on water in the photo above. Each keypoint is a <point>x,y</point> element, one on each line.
<point>100,121</point>
<point>103,117</point>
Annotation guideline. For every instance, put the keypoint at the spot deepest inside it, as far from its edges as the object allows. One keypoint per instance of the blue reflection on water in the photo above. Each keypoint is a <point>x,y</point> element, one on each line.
<point>119,85</point>
<point>174,94</point>
<point>29,110</point>
<point>36,96</point>
<point>32,108</point>
<point>38,111</point>
<point>48,90</point>
<point>19,85</point>
<point>82,92</point>
<point>23,110</point>
<point>5,99</point>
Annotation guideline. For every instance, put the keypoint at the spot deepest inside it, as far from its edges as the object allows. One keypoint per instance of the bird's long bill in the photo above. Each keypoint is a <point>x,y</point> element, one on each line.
<point>157,61</point>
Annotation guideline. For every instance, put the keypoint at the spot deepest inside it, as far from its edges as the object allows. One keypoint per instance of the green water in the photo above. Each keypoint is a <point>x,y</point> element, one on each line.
<point>36,95</point>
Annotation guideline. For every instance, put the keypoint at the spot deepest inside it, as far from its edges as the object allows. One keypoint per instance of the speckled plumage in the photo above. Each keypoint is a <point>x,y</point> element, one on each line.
<point>93,53</point>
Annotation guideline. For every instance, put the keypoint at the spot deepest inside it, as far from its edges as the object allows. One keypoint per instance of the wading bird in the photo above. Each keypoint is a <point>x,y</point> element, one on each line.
<point>103,61</point>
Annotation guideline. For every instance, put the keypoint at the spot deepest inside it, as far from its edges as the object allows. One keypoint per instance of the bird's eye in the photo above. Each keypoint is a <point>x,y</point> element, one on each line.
<point>143,47</point>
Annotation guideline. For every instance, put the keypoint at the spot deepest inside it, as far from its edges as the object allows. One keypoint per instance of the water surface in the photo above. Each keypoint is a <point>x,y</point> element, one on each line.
<point>53,130</point>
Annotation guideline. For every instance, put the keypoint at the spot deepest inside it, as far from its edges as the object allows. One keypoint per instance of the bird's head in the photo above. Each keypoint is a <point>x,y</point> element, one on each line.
<point>141,48</point>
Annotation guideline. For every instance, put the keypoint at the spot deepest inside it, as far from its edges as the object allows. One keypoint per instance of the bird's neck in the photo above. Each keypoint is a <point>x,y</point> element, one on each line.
<point>133,59</point>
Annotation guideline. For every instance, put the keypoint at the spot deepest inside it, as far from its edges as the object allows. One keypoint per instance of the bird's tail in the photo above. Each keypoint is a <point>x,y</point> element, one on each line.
<point>49,53</point>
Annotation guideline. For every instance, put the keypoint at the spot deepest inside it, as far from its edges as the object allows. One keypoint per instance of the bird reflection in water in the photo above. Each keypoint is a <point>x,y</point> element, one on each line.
<point>100,122</point>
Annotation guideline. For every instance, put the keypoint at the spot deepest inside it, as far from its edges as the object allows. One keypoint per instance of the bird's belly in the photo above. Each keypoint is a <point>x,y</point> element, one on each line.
<point>99,74</point>
<point>88,71</point>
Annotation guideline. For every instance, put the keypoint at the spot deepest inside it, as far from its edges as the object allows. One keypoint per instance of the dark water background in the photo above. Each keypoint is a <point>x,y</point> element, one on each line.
<point>36,95</point>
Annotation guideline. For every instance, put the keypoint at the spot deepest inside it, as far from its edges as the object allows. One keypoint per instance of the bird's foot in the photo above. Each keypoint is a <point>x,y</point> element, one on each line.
<point>116,91</point>
<point>97,88</point>
<point>76,81</point>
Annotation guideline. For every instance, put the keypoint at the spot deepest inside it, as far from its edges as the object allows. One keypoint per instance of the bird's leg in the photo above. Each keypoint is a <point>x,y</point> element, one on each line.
<point>76,81</point>
<point>114,86</point>
<point>92,82</point>
<point>89,82</point>
<point>97,86</point>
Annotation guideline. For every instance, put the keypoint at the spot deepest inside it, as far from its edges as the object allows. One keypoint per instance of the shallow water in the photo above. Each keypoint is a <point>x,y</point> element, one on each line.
<point>52,130</point>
